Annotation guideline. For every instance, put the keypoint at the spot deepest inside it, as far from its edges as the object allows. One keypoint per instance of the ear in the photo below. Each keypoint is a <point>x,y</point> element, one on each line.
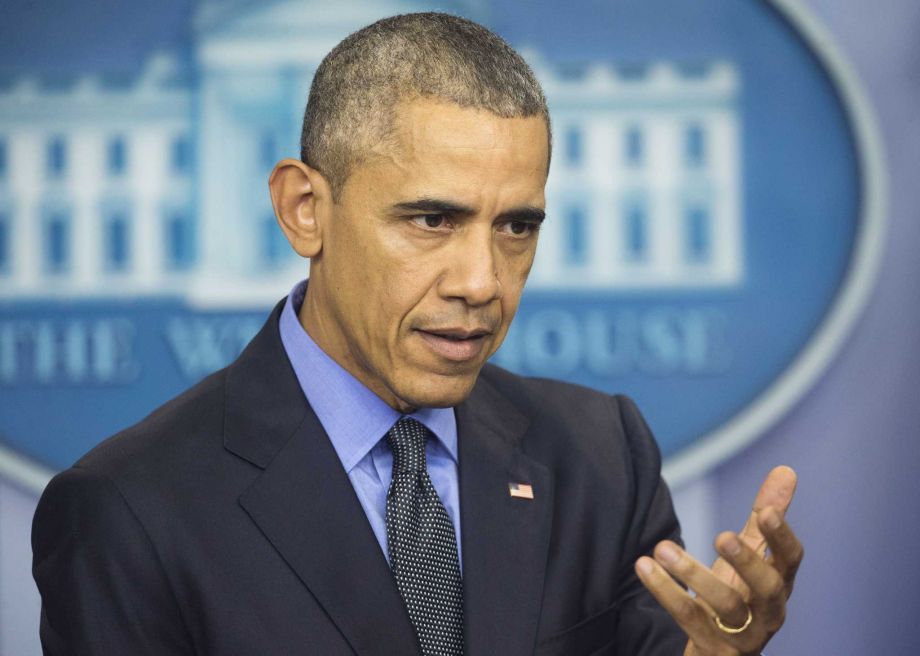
<point>296,191</point>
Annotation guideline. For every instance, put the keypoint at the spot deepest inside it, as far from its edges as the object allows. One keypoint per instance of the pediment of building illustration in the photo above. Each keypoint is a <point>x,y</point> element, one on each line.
<point>296,34</point>
<point>214,18</point>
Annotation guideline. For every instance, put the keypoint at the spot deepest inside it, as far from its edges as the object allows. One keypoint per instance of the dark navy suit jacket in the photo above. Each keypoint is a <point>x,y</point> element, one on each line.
<point>224,523</point>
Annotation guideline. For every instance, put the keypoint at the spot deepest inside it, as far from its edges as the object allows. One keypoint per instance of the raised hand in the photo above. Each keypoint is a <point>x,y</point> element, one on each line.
<point>741,602</point>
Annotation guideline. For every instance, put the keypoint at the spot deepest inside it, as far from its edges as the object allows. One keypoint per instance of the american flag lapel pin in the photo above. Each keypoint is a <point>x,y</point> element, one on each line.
<point>520,490</point>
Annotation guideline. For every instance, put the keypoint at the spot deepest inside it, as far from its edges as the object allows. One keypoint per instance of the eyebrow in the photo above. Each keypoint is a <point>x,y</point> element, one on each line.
<point>439,206</point>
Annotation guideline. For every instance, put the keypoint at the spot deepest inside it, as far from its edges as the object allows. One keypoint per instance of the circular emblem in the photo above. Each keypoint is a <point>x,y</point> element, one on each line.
<point>715,217</point>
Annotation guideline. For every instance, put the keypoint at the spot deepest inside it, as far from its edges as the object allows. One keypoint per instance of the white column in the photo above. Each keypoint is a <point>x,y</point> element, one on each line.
<point>27,178</point>
<point>151,180</point>
<point>146,241</point>
<point>603,240</point>
<point>725,168</point>
<point>85,156</point>
<point>666,233</point>
<point>547,261</point>
<point>218,149</point>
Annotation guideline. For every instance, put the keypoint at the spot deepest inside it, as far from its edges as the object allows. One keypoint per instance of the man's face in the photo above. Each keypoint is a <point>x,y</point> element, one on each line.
<point>425,255</point>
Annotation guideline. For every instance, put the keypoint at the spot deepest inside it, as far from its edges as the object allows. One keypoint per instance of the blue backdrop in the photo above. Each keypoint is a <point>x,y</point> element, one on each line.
<point>852,437</point>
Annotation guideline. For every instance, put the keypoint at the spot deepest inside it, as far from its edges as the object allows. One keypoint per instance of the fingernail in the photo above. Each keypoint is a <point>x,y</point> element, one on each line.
<point>668,554</point>
<point>731,546</point>
<point>645,566</point>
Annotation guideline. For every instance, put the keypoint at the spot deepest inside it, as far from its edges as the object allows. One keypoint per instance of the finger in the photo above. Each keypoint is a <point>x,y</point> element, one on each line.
<point>767,597</point>
<point>776,492</point>
<point>786,552</point>
<point>686,611</point>
<point>720,597</point>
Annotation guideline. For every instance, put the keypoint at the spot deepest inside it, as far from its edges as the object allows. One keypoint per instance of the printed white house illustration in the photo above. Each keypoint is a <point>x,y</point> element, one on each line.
<point>155,184</point>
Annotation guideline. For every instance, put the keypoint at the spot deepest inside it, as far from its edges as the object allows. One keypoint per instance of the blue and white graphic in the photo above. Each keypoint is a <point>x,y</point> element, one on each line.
<point>714,214</point>
<point>645,191</point>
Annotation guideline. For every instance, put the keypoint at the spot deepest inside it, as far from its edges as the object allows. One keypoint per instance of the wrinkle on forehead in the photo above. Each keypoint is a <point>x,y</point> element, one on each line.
<point>425,125</point>
<point>441,143</point>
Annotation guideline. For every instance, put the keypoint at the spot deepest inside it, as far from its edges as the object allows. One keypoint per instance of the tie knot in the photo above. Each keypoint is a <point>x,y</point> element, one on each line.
<point>407,440</point>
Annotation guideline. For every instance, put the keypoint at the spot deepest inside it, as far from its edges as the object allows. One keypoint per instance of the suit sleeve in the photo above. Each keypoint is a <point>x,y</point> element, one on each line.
<point>645,628</point>
<point>102,585</point>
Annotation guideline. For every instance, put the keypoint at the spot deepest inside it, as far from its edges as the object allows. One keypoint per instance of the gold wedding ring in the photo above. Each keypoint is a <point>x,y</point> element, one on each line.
<point>731,629</point>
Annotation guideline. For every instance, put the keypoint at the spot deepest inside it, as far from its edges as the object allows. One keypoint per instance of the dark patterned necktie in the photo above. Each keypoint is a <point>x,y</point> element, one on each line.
<point>423,545</point>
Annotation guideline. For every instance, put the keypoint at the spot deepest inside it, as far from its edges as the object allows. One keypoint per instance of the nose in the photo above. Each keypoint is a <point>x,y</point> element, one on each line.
<point>472,272</point>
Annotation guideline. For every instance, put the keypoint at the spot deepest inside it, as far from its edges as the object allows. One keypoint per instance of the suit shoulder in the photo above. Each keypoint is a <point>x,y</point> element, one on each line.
<point>547,395</point>
<point>188,424</point>
<point>590,417</point>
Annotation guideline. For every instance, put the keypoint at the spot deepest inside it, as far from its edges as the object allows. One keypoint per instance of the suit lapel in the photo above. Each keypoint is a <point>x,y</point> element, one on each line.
<point>505,539</point>
<point>307,508</point>
<point>304,503</point>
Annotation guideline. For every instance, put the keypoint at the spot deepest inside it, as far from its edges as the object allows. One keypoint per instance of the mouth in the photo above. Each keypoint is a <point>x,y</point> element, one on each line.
<point>455,344</point>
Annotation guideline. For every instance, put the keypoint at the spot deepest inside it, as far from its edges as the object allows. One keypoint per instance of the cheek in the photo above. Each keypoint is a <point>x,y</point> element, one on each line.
<point>517,265</point>
<point>510,301</point>
<point>514,277</point>
<point>400,285</point>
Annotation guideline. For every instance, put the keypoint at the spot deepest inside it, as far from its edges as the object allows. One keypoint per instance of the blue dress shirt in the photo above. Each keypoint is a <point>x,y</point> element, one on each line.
<point>357,420</point>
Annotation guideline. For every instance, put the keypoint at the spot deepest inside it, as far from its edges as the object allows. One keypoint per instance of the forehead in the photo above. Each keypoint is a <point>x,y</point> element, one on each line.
<point>440,143</point>
<point>423,124</point>
<point>436,118</point>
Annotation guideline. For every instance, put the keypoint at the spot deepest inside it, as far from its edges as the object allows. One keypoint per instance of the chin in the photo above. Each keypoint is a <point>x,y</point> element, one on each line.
<point>439,391</point>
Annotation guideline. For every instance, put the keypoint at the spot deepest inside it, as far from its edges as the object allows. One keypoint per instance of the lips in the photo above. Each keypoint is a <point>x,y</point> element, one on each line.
<point>456,344</point>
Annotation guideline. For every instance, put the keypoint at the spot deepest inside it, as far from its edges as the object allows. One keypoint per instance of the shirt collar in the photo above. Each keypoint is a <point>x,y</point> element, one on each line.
<point>353,416</point>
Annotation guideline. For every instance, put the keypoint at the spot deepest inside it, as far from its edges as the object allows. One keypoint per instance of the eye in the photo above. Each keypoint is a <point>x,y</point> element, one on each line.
<point>431,221</point>
<point>519,228</point>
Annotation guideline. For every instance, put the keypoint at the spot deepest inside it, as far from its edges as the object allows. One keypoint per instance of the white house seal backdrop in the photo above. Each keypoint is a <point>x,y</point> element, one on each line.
<point>714,215</point>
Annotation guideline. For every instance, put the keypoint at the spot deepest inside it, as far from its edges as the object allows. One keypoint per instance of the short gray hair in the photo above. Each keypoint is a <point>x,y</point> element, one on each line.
<point>425,55</point>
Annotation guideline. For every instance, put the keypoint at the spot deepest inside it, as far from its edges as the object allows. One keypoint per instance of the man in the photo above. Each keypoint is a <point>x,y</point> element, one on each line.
<point>359,481</point>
